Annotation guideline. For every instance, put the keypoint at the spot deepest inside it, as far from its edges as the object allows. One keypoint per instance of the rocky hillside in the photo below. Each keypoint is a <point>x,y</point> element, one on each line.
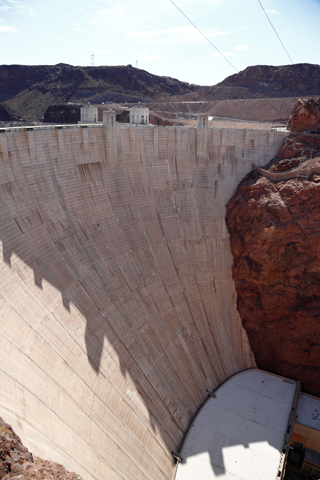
<point>27,91</point>
<point>301,79</point>
<point>262,81</point>
<point>274,224</point>
<point>17,463</point>
<point>260,109</point>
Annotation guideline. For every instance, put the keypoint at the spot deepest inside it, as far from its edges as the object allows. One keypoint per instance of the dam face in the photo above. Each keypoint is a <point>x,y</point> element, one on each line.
<point>118,309</point>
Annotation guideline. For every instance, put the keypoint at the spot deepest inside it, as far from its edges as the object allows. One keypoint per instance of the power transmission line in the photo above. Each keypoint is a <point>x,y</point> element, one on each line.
<point>79,5</point>
<point>95,1</point>
<point>250,83</point>
<point>275,31</point>
<point>302,81</point>
<point>296,28</point>
<point>204,35</point>
<point>68,10</point>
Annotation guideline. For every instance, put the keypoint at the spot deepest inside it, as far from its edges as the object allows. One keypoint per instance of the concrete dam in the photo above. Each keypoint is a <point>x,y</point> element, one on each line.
<point>118,309</point>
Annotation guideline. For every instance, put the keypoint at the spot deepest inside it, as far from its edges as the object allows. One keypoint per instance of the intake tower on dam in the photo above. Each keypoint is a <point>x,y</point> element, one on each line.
<point>118,310</point>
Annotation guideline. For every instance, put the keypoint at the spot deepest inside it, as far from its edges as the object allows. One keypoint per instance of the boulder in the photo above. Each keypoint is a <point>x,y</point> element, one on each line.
<point>305,116</point>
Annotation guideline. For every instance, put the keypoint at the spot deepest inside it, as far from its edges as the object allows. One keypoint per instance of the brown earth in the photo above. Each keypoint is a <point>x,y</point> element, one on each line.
<point>275,229</point>
<point>17,463</point>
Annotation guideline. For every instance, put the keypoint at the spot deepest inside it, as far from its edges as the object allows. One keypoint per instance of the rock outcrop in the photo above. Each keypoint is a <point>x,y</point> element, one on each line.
<point>17,463</point>
<point>305,116</point>
<point>274,225</point>
<point>277,81</point>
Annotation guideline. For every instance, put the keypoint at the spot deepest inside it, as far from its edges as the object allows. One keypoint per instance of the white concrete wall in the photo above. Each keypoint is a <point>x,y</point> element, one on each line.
<point>139,115</point>
<point>117,305</point>
<point>221,122</point>
<point>88,114</point>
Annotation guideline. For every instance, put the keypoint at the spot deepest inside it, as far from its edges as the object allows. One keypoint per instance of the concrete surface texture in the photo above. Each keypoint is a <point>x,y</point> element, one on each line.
<point>223,122</point>
<point>88,114</point>
<point>117,305</point>
<point>306,430</point>
<point>240,433</point>
<point>139,115</point>
<point>308,411</point>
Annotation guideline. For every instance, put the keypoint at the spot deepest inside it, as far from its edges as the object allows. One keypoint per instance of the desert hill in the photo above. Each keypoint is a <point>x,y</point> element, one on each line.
<point>284,81</point>
<point>27,91</point>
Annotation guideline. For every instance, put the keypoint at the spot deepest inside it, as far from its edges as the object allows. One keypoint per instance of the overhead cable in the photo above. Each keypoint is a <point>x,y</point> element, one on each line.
<point>79,5</point>
<point>96,1</point>
<point>302,80</point>
<point>204,35</point>
<point>275,31</point>
<point>250,83</point>
<point>67,9</point>
<point>296,27</point>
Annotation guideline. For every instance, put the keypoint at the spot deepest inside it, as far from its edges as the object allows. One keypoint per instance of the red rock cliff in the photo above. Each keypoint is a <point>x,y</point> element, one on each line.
<point>274,225</point>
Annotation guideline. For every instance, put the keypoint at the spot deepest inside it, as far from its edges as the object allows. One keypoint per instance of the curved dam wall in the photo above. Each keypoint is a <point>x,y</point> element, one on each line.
<point>117,305</point>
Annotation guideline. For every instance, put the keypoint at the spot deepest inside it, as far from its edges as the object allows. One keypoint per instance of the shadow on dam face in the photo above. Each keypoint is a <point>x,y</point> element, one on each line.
<point>117,303</point>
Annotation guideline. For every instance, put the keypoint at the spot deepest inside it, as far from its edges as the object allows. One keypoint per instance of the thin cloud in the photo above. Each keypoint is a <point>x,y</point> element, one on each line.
<point>144,57</point>
<point>66,42</point>
<point>7,29</point>
<point>16,8</point>
<point>111,11</point>
<point>272,12</point>
<point>177,35</point>
<point>102,52</point>
<point>225,54</point>
<point>241,48</point>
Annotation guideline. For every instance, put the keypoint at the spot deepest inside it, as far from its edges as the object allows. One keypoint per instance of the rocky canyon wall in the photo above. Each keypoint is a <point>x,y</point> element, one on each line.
<point>118,309</point>
<point>273,220</point>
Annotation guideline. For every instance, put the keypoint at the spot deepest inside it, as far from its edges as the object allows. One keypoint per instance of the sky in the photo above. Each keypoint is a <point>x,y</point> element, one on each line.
<point>155,36</point>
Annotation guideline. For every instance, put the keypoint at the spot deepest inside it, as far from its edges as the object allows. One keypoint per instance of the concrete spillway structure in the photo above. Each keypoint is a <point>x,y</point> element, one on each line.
<point>117,304</point>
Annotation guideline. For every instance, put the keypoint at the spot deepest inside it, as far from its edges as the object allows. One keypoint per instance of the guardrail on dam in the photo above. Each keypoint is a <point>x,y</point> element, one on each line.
<point>118,308</point>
